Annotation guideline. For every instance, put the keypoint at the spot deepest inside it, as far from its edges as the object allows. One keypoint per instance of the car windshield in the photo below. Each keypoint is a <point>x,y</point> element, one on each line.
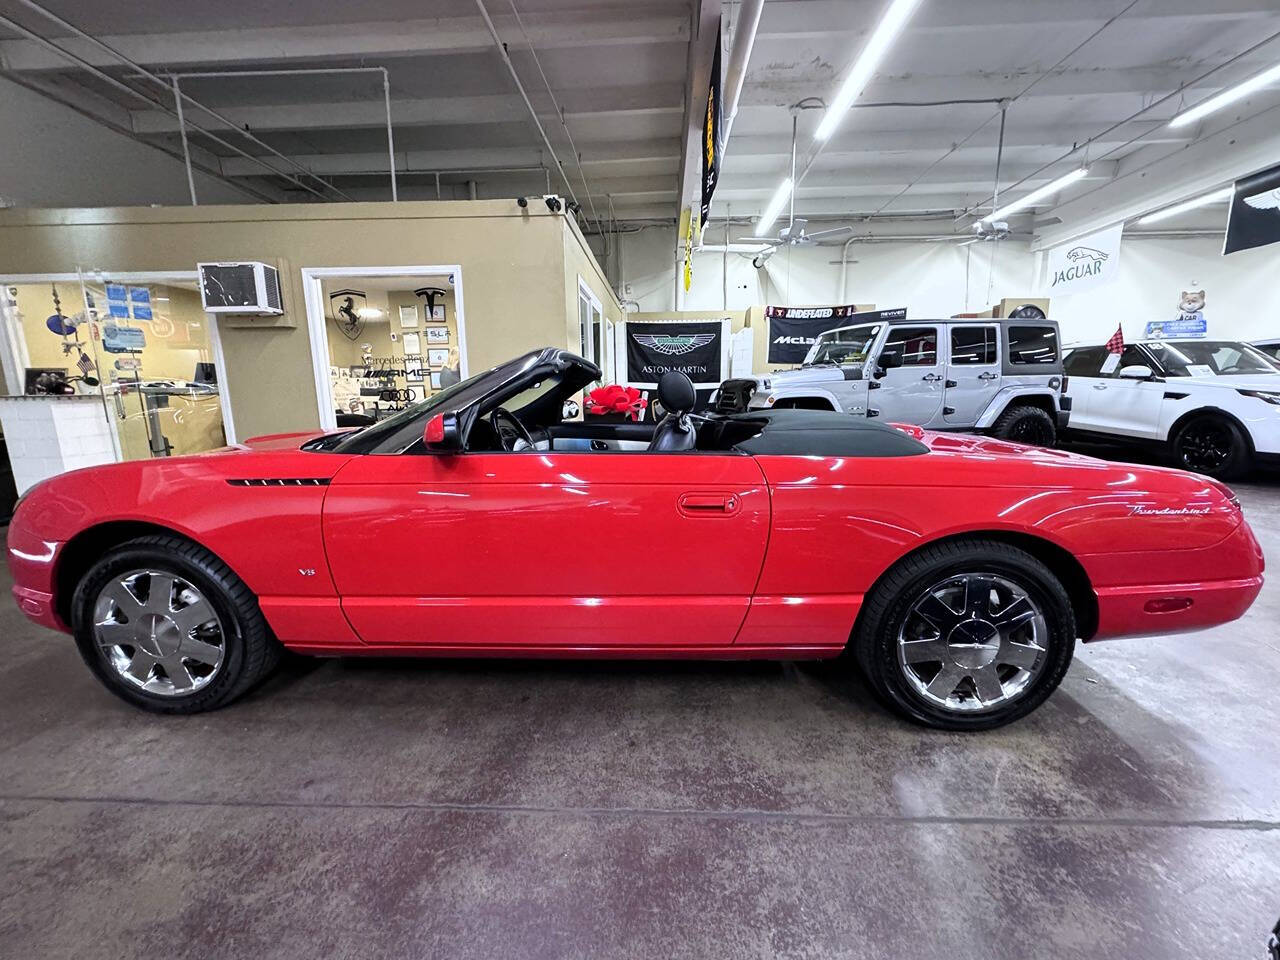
<point>1209,358</point>
<point>451,398</point>
<point>848,345</point>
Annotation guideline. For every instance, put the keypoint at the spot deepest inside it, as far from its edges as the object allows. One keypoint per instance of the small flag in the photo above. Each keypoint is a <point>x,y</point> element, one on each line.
<point>84,363</point>
<point>1116,343</point>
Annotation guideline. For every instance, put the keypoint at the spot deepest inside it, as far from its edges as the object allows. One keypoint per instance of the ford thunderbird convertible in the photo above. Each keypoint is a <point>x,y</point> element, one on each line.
<point>956,572</point>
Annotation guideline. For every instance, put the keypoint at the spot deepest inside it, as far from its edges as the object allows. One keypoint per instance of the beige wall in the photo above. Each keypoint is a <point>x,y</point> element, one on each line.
<point>516,274</point>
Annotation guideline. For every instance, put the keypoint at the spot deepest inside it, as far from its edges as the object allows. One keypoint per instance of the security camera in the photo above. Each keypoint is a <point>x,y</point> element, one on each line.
<point>757,261</point>
<point>552,202</point>
<point>573,207</point>
<point>522,202</point>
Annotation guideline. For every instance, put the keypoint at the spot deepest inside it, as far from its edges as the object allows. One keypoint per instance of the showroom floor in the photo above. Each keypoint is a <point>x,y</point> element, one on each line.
<point>450,809</point>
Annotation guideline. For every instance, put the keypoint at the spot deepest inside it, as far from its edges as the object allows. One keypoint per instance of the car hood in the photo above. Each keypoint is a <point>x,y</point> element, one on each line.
<point>1253,381</point>
<point>801,376</point>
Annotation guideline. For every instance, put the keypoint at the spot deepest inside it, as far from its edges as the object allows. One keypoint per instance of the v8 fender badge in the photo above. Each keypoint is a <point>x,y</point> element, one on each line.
<point>1141,510</point>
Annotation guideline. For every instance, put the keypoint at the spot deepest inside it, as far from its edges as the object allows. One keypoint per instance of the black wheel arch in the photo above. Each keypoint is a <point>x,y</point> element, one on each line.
<point>1060,561</point>
<point>1042,400</point>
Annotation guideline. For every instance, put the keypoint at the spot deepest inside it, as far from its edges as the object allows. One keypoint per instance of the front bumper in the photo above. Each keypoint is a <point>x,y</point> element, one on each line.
<point>32,562</point>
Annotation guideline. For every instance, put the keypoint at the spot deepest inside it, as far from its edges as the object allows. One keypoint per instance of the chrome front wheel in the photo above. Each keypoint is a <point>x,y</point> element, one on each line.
<point>158,632</point>
<point>972,643</point>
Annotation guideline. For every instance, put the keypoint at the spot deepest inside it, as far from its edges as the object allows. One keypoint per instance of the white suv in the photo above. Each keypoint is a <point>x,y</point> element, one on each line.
<point>1213,404</point>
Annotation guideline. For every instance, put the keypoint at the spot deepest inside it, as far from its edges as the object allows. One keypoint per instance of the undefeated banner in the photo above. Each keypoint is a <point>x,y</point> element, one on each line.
<point>1254,220</point>
<point>793,330</point>
<point>690,347</point>
<point>711,136</point>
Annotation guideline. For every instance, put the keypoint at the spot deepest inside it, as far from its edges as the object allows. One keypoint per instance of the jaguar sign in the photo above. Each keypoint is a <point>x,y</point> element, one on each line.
<point>1084,264</point>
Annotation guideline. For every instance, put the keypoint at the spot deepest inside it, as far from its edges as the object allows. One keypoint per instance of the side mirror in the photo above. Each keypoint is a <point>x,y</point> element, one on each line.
<point>570,410</point>
<point>1136,371</point>
<point>441,433</point>
<point>889,360</point>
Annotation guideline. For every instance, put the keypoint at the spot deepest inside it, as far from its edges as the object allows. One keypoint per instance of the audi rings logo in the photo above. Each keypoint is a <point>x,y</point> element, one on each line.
<point>672,345</point>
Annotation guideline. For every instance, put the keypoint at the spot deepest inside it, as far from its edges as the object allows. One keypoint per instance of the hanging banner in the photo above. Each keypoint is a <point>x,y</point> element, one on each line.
<point>1254,220</point>
<point>1083,264</point>
<point>691,347</point>
<point>711,135</point>
<point>793,330</point>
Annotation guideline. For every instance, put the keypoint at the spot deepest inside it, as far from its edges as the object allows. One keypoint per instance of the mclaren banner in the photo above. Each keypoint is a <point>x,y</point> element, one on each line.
<point>690,347</point>
<point>1254,220</point>
<point>793,330</point>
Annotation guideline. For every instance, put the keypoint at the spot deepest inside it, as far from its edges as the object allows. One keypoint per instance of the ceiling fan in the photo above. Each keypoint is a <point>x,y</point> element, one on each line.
<point>793,234</point>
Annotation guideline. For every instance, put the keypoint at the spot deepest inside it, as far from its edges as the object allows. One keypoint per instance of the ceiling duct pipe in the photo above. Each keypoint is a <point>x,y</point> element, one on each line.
<point>744,38</point>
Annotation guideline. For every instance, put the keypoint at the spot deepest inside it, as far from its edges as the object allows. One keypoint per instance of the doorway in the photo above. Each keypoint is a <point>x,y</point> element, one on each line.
<point>383,338</point>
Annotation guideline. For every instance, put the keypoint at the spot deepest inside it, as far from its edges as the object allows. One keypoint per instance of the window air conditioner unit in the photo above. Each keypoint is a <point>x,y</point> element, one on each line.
<point>245,288</point>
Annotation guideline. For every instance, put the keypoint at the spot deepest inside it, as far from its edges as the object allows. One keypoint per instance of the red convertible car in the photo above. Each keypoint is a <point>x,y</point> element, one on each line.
<point>957,571</point>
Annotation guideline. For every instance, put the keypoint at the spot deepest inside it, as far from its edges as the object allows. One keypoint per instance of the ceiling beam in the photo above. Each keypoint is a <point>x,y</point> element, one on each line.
<point>437,111</point>
<point>1143,183</point>
<point>872,180</point>
<point>919,86</point>
<point>349,41</point>
<point>825,18</point>
<point>595,156</point>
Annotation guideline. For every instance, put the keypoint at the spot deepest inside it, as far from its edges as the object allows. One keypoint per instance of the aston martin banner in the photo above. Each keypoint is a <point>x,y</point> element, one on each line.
<point>793,330</point>
<point>691,347</point>
<point>1254,220</point>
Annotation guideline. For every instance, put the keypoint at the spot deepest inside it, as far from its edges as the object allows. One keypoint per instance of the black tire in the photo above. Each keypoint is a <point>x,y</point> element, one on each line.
<point>1212,445</point>
<point>887,607</point>
<point>1024,423</point>
<point>251,651</point>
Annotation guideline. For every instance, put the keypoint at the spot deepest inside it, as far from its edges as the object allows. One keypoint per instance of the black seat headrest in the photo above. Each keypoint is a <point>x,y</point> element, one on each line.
<point>676,393</point>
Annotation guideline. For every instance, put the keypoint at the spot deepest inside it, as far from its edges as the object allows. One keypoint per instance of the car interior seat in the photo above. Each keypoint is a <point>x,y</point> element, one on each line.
<point>675,431</point>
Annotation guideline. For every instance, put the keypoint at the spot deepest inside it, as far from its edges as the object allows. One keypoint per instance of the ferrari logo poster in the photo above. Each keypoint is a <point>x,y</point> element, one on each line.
<point>693,348</point>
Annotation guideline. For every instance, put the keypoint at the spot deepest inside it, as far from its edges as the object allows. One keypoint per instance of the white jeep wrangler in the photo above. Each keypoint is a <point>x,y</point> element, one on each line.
<point>1002,377</point>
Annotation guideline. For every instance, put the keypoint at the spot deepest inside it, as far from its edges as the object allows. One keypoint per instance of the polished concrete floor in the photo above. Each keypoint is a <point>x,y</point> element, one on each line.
<point>490,810</point>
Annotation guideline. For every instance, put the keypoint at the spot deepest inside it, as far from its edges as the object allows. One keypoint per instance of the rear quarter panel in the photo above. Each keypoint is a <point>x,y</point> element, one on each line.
<point>838,524</point>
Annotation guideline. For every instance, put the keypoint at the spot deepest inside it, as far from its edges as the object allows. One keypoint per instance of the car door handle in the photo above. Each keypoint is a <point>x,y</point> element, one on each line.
<point>988,376</point>
<point>931,378</point>
<point>1099,386</point>
<point>705,503</point>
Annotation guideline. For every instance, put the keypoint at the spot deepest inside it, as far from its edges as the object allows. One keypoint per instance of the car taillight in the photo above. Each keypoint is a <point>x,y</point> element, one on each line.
<point>1065,381</point>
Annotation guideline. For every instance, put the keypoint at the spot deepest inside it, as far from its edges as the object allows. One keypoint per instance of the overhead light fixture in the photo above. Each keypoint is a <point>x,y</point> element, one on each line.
<point>1218,196</point>
<point>774,208</point>
<point>1035,196</point>
<point>895,18</point>
<point>1230,95</point>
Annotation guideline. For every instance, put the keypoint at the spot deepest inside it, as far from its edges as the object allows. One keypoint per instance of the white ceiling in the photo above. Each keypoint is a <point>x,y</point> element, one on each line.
<point>618,70</point>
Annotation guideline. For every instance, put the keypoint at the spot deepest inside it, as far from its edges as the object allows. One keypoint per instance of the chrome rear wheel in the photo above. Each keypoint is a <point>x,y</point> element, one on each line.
<point>972,643</point>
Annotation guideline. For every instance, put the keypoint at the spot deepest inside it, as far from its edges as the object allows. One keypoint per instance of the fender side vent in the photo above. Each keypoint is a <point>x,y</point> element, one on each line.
<point>280,482</point>
<point>1171,395</point>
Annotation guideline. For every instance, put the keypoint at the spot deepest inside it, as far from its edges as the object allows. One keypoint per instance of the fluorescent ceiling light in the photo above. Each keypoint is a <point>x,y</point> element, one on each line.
<point>1035,196</point>
<point>1218,196</point>
<point>864,68</point>
<point>1231,95</point>
<point>774,208</point>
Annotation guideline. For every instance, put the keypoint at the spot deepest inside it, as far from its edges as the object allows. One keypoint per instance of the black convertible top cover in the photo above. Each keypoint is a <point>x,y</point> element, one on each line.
<point>817,433</point>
